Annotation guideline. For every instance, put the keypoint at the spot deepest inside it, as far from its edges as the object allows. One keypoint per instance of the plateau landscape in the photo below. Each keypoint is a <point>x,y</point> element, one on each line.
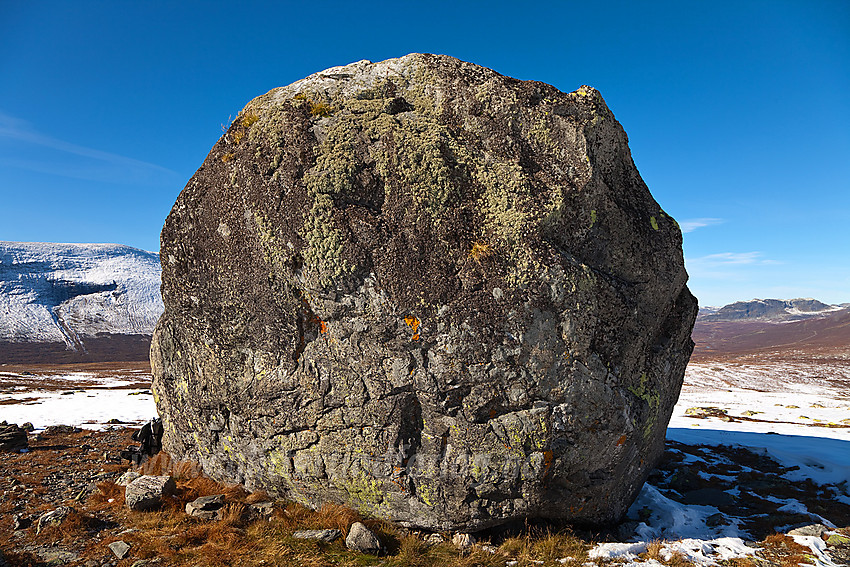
<point>502,286</point>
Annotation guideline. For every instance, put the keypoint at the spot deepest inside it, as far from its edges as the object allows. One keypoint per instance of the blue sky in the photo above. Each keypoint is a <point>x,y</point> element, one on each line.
<point>738,113</point>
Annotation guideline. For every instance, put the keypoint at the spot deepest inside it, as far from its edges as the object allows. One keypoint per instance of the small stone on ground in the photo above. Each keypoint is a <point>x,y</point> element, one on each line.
<point>360,538</point>
<point>320,535</point>
<point>120,549</point>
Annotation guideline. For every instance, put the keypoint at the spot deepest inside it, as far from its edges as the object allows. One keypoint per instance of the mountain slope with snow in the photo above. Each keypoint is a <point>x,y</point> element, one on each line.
<point>768,310</point>
<point>73,293</point>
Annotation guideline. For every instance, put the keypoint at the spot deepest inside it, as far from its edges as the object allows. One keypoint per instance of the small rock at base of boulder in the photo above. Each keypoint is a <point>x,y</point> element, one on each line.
<point>362,539</point>
<point>433,539</point>
<point>147,492</point>
<point>12,437</point>
<point>119,548</point>
<point>260,510</point>
<point>320,535</point>
<point>816,530</point>
<point>127,478</point>
<point>206,507</point>
<point>463,541</point>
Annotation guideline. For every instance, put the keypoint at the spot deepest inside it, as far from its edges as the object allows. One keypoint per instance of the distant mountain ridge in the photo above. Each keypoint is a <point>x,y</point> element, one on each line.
<point>773,326</point>
<point>75,295</point>
<point>769,310</point>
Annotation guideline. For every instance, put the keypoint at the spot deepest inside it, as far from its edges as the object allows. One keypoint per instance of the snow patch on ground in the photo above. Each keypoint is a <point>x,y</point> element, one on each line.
<point>802,412</point>
<point>671,520</point>
<point>90,401</point>
<point>803,421</point>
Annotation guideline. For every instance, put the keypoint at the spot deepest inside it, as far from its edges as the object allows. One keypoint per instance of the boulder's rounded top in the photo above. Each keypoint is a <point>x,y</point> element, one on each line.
<point>414,69</point>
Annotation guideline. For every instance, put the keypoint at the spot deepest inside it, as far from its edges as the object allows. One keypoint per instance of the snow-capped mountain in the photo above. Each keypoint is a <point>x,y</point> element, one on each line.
<point>70,293</point>
<point>769,310</point>
<point>773,325</point>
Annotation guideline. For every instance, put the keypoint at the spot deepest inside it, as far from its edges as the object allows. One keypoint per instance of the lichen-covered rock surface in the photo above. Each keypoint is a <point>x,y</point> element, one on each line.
<point>431,292</point>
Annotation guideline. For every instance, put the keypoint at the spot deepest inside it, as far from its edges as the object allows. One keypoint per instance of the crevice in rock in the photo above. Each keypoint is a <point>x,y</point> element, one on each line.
<point>410,432</point>
<point>308,326</point>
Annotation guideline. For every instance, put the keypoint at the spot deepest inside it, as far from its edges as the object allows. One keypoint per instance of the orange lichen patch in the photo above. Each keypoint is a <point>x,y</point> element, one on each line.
<point>413,323</point>
<point>548,458</point>
<point>479,251</point>
<point>621,440</point>
<point>323,327</point>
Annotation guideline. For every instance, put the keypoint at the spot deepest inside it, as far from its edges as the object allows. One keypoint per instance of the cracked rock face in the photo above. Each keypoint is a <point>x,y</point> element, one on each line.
<point>428,291</point>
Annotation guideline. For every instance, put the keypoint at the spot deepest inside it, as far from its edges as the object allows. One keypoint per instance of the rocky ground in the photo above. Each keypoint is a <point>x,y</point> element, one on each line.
<point>59,505</point>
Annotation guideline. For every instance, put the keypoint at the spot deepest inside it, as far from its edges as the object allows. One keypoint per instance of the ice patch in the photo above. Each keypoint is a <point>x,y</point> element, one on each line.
<point>628,551</point>
<point>669,519</point>
<point>818,547</point>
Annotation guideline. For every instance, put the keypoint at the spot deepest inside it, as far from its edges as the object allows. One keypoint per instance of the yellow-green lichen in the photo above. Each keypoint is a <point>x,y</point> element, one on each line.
<point>423,162</point>
<point>427,493</point>
<point>592,217</point>
<point>653,223</point>
<point>278,463</point>
<point>511,215</point>
<point>420,160</point>
<point>366,493</point>
<point>652,398</point>
<point>272,249</point>
<point>540,133</point>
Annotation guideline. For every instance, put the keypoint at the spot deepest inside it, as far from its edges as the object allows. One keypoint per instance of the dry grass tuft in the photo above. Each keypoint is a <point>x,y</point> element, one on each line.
<point>411,552</point>
<point>259,496</point>
<point>782,549</point>
<point>321,109</point>
<point>337,516</point>
<point>76,526</point>
<point>653,549</point>
<point>107,495</point>
<point>479,251</point>
<point>249,119</point>
<point>551,547</point>
<point>678,559</point>
<point>21,559</point>
<point>160,464</point>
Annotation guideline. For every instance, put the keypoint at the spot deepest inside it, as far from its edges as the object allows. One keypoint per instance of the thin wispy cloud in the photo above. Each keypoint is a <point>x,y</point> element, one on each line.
<point>97,164</point>
<point>728,258</point>
<point>727,265</point>
<point>690,225</point>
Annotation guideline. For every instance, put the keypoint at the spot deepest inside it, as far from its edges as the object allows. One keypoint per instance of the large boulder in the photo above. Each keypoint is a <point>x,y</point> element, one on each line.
<point>428,291</point>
